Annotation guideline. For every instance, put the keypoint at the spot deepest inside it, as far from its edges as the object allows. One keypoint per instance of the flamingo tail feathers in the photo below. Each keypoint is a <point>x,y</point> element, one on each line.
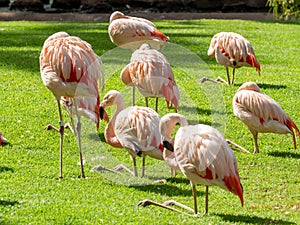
<point>159,34</point>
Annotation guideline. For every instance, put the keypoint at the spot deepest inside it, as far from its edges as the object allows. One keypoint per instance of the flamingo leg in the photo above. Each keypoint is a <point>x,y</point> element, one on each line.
<point>235,146</point>
<point>233,71</point>
<point>61,132</point>
<point>194,192</point>
<point>206,200</point>
<point>134,166</point>
<point>228,77</point>
<point>78,131</point>
<point>255,137</point>
<point>133,95</point>
<point>156,104</point>
<point>143,166</point>
<point>147,102</point>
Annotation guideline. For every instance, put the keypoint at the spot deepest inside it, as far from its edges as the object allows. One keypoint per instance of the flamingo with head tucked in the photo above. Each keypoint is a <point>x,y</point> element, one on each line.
<point>232,50</point>
<point>130,32</point>
<point>150,71</point>
<point>71,70</point>
<point>261,113</point>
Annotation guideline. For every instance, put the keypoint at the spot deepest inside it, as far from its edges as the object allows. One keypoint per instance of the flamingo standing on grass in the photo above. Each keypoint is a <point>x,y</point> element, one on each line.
<point>203,156</point>
<point>131,32</point>
<point>71,71</point>
<point>134,128</point>
<point>150,71</point>
<point>231,50</point>
<point>261,113</point>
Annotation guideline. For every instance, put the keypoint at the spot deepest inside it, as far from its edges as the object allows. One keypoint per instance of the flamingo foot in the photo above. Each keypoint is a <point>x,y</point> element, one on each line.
<point>148,202</point>
<point>51,127</point>
<point>237,147</point>
<point>219,80</point>
<point>101,168</point>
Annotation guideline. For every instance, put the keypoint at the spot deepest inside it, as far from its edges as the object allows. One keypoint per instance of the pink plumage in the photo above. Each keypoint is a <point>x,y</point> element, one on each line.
<point>150,71</point>
<point>134,128</point>
<point>71,71</point>
<point>261,113</point>
<point>131,32</point>
<point>202,155</point>
<point>232,50</point>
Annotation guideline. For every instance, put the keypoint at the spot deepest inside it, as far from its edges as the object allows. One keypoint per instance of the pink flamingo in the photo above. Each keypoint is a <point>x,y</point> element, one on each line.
<point>70,70</point>
<point>261,113</point>
<point>232,50</point>
<point>130,32</point>
<point>203,156</point>
<point>150,71</point>
<point>134,128</point>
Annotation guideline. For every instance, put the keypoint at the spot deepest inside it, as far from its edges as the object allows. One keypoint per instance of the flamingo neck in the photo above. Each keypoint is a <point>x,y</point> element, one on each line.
<point>109,132</point>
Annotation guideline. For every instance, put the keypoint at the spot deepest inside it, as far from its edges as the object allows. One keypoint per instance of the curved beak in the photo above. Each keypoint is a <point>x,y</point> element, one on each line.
<point>168,146</point>
<point>103,114</point>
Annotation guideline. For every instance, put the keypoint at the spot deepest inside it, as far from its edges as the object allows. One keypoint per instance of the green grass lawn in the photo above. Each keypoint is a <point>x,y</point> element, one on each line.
<point>31,192</point>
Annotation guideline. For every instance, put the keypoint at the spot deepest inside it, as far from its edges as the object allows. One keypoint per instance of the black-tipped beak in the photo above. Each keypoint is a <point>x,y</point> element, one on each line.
<point>102,111</point>
<point>168,146</point>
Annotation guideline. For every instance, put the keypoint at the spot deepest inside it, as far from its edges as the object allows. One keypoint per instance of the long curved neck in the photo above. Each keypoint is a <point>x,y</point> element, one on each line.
<point>109,132</point>
<point>170,124</point>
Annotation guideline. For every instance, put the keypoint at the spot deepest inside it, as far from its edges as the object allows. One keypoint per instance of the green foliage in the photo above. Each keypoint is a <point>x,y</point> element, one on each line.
<point>31,192</point>
<point>285,9</point>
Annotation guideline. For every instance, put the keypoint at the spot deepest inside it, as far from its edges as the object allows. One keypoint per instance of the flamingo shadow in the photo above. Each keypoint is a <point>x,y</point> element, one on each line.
<point>168,190</point>
<point>266,86</point>
<point>8,203</point>
<point>285,154</point>
<point>5,169</point>
<point>251,219</point>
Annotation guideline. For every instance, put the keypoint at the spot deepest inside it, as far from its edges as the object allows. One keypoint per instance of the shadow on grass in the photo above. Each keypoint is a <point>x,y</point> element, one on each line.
<point>285,154</point>
<point>5,169</point>
<point>168,190</point>
<point>266,86</point>
<point>252,219</point>
<point>8,203</point>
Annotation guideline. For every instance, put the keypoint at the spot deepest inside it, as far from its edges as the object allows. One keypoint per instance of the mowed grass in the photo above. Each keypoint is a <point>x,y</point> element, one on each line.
<point>31,192</point>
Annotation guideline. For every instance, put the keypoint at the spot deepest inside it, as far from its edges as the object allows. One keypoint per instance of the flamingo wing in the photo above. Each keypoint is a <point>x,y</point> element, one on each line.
<point>68,61</point>
<point>231,49</point>
<point>152,74</point>
<point>205,158</point>
<point>137,128</point>
<point>260,112</point>
<point>128,29</point>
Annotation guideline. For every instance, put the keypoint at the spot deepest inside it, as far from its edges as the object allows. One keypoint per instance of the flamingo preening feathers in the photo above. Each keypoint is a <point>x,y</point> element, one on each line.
<point>261,113</point>
<point>150,71</point>
<point>232,50</point>
<point>203,156</point>
<point>71,70</point>
<point>130,32</point>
